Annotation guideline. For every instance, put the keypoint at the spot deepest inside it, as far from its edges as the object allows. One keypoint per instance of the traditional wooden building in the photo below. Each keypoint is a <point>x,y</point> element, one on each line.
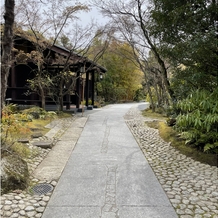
<point>55,60</point>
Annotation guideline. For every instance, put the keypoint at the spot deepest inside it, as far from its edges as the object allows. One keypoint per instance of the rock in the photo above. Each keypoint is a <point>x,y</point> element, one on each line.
<point>43,144</point>
<point>37,135</point>
<point>23,140</point>
<point>171,121</point>
<point>14,173</point>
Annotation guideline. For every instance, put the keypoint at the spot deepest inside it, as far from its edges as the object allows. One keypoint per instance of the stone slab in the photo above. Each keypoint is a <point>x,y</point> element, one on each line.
<point>43,144</point>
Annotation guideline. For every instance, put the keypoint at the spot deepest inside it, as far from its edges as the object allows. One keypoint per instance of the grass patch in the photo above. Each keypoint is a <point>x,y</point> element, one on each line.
<point>21,150</point>
<point>149,113</point>
<point>39,125</point>
<point>168,134</point>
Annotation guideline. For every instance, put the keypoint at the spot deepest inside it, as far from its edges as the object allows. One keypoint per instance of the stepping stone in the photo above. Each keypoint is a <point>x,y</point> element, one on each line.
<point>23,140</point>
<point>34,129</point>
<point>37,135</point>
<point>43,144</point>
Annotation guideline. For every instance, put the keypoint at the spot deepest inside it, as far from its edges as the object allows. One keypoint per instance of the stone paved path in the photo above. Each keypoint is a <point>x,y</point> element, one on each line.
<point>107,175</point>
<point>190,186</point>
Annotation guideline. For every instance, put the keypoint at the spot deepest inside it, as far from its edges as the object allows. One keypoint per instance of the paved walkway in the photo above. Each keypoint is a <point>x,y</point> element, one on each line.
<point>107,175</point>
<point>111,187</point>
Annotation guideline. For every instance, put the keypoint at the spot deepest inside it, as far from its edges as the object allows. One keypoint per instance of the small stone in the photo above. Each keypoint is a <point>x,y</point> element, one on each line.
<point>175,201</point>
<point>35,180</point>
<point>36,205</point>
<point>180,212</point>
<point>7,207</point>
<point>188,211</point>
<point>8,214</point>
<point>22,212</point>
<point>38,215</point>
<point>199,211</point>
<point>22,195</point>
<point>8,202</point>
<point>30,214</point>
<point>16,210</point>
<point>14,206</point>
<point>17,197</point>
<point>10,197</point>
<point>212,207</point>
<point>54,183</point>
<point>182,206</point>
<point>184,201</point>
<point>14,215</point>
<point>33,201</point>
<point>42,203</point>
<point>29,208</point>
<point>205,209</point>
<point>21,206</point>
<point>215,194</point>
<point>46,198</point>
<point>206,215</point>
<point>197,216</point>
<point>194,199</point>
<point>40,209</point>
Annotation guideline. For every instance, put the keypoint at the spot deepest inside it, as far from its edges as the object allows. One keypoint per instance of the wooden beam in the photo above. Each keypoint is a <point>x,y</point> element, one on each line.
<point>87,89</point>
<point>78,93</point>
<point>93,87</point>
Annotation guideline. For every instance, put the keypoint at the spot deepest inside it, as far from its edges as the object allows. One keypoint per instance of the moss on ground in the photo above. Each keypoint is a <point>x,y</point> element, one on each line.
<point>170,135</point>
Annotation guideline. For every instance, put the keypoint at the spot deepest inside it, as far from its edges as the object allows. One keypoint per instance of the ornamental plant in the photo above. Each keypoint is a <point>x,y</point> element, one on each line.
<point>12,128</point>
<point>198,119</point>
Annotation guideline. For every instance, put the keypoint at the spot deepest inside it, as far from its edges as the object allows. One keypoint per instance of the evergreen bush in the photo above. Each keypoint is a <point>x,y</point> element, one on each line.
<point>198,119</point>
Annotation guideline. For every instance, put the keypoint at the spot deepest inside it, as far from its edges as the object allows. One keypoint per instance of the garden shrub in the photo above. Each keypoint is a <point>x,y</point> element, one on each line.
<point>198,119</point>
<point>35,112</point>
<point>12,128</point>
<point>39,113</point>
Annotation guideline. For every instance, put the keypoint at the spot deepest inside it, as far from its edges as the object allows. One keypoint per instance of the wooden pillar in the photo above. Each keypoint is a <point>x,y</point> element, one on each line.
<point>78,95</point>
<point>13,82</point>
<point>68,102</point>
<point>87,89</point>
<point>93,88</point>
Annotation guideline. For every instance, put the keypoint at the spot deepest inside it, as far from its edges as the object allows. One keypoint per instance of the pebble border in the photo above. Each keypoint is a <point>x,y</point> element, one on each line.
<point>191,186</point>
<point>23,204</point>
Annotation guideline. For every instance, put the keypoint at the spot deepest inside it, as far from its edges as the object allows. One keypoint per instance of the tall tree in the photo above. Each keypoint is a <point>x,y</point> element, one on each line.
<point>123,78</point>
<point>55,26</point>
<point>53,23</point>
<point>7,44</point>
<point>188,34</point>
<point>131,19</point>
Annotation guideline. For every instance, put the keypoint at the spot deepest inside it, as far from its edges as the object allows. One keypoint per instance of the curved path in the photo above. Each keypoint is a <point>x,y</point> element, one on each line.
<point>107,175</point>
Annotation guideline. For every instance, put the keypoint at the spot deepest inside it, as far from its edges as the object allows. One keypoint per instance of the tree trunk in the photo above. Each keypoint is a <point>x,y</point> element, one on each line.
<point>61,103</point>
<point>42,94</point>
<point>157,94</point>
<point>7,43</point>
<point>156,54</point>
<point>151,98</point>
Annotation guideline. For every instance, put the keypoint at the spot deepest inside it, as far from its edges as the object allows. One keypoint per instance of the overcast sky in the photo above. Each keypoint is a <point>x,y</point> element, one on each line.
<point>93,14</point>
